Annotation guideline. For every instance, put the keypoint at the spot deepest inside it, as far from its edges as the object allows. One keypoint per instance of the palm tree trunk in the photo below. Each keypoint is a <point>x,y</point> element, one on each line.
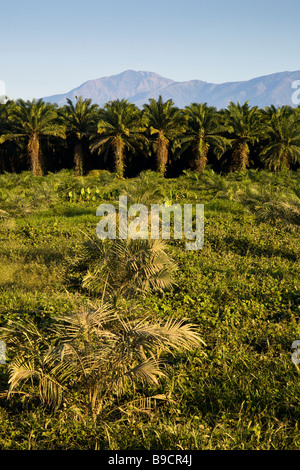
<point>240,157</point>
<point>162,154</point>
<point>119,157</point>
<point>201,156</point>
<point>35,155</point>
<point>2,161</point>
<point>78,159</point>
<point>12,162</point>
<point>285,164</point>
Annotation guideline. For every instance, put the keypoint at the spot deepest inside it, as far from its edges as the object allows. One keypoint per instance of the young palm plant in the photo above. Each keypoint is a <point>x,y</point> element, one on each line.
<point>121,126</point>
<point>166,122</point>
<point>147,188</point>
<point>126,267</point>
<point>92,357</point>
<point>31,120</point>
<point>81,122</point>
<point>271,205</point>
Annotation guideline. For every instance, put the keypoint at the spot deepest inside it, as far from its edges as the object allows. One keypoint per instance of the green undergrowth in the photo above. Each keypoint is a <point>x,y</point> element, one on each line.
<point>240,391</point>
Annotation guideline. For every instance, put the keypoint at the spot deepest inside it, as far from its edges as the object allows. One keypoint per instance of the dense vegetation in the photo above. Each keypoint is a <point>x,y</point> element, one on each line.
<point>120,137</point>
<point>101,348</point>
<point>141,344</point>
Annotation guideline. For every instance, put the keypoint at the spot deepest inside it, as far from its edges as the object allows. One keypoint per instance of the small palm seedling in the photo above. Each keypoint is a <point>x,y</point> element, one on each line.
<point>147,188</point>
<point>29,199</point>
<point>91,358</point>
<point>269,205</point>
<point>125,267</point>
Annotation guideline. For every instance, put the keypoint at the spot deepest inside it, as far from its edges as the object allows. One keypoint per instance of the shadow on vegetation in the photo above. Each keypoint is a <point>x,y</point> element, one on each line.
<point>45,255</point>
<point>242,247</point>
<point>74,211</point>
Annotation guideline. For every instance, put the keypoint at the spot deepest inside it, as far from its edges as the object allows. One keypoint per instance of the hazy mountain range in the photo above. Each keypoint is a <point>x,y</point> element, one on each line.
<point>139,87</point>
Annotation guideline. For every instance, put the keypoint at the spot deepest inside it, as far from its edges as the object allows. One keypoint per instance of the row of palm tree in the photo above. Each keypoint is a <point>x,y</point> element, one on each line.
<point>120,129</point>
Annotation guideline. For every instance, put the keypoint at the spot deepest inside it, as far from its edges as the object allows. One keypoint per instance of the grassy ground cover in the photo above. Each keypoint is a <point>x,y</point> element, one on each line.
<point>240,391</point>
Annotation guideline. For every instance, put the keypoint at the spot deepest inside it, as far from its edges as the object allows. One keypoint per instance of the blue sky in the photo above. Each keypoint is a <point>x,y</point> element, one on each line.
<point>50,47</point>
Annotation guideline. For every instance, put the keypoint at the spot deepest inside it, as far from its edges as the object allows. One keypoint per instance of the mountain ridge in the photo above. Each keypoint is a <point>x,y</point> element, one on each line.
<point>139,86</point>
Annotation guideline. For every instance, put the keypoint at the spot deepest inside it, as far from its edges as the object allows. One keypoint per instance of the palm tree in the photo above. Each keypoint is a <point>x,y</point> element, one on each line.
<point>274,205</point>
<point>3,129</point>
<point>167,124</point>
<point>121,126</point>
<point>95,353</point>
<point>269,111</point>
<point>202,132</point>
<point>283,140</point>
<point>127,267</point>
<point>80,120</point>
<point>32,120</point>
<point>245,124</point>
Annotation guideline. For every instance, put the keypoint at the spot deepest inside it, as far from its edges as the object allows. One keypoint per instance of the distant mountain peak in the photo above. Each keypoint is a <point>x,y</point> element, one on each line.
<point>139,86</point>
